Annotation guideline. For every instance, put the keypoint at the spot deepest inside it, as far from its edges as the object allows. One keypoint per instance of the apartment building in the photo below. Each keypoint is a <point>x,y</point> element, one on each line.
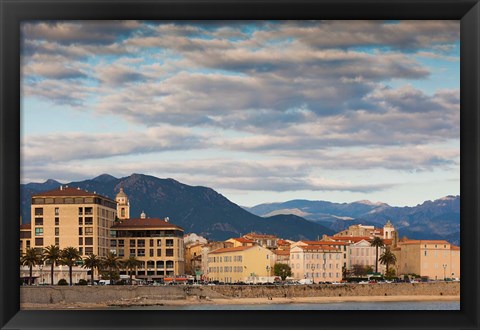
<point>157,243</point>
<point>320,263</point>
<point>240,264</point>
<point>437,259</point>
<point>73,217</point>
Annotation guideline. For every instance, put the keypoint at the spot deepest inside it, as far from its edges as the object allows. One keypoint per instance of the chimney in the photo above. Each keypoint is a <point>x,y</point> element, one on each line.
<point>143,215</point>
<point>167,219</point>
<point>61,188</point>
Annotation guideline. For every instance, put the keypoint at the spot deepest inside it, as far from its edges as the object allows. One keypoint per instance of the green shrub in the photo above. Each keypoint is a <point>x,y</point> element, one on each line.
<point>82,282</point>
<point>62,282</point>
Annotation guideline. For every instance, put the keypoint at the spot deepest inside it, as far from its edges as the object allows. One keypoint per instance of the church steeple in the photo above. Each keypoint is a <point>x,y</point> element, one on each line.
<point>123,205</point>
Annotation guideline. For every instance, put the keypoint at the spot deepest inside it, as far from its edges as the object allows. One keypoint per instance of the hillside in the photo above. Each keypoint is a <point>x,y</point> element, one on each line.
<point>196,209</point>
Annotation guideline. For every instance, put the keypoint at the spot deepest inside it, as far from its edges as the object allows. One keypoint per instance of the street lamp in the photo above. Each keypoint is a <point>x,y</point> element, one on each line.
<point>444,272</point>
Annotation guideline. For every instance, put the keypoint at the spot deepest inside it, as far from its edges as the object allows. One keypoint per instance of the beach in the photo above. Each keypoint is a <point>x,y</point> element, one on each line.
<point>233,301</point>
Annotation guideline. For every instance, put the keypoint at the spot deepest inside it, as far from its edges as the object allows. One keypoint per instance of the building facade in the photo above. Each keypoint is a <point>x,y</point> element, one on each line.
<point>240,264</point>
<point>157,243</point>
<point>320,263</point>
<point>72,217</point>
<point>435,259</point>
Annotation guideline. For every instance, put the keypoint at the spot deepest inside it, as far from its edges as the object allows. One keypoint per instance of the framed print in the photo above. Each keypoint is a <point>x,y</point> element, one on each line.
<point>240,164</point>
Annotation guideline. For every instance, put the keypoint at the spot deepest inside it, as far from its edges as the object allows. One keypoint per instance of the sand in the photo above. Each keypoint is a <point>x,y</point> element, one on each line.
<point>231,301</point>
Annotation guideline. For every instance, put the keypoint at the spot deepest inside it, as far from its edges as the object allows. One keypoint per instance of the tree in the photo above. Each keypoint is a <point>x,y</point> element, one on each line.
<point>69,257</point>
<point>131,264</point>
<point>282,270</point>
<point>377,242</point>
<point>52,254</point>
<point>92,262</point>
<point>30,258</point>
<point>112,263</point>
<point>388,258</point>
<point>359,270</point>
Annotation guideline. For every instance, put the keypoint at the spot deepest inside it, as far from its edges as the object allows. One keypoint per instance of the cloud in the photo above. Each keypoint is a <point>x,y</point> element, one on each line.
<point>75,146</point>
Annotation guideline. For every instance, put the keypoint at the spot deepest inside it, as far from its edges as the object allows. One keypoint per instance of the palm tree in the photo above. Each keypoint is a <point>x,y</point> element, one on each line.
<point>51,254</point>
<point>130,264</point>
<point>112,263</point>
<point>92,262</point>
<point>70,256</point>
<point>388,258</point>
<point>30,258</point>
<point>377,242</point>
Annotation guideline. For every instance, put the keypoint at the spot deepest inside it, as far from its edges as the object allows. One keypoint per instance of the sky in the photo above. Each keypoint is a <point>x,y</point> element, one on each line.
<point>260,111</point>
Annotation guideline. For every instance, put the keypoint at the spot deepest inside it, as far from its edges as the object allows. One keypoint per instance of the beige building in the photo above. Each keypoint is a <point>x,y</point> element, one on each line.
<point>319,263</point>
<point>267,241</point>
<point>240,264</point>
<point>72,217</point>
<point>364,254</point>
<point>193,258</point>
<point>157,243</point>
<point>206,249</point>
<point>241,241</point>
<point>436,259</point>
<point>341,245</point>
<point>388,232</point>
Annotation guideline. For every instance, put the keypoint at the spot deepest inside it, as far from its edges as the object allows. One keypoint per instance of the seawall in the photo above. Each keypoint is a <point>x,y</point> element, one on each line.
<point>118,294</point>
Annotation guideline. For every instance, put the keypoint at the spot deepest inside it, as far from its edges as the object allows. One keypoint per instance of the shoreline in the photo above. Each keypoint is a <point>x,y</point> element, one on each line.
<point>235,301</point>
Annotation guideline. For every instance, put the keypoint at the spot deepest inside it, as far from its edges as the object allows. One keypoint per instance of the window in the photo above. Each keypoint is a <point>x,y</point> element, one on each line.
<point>88,241</point>
<point>425,253</point>
<point>57,221</point>
<point>141,243</point>
<point>159,242</point>
<point>121,253</point>
<point>80,211</point>
<point>80,221</point>
<point>113,243</point>
<point>57,241</point>
<point>132,252</point>
<point>57,211</point>
<point>80,241</point>
<point>39,241</point>
<point>159,252</point>
<point>88,211</point>
<point>28,245</point>
<point>121,243</point>
<point>88,250</point>
<point>132,243</point>
<point>38,231</point>
<point>88,230</point>
<point>151,242</point>
<point>88,220</point>
<point>169,242</point>
<point>38,221</point>
<point>141,252</point>
<point>151,253</point>
<point>169,264</point>
<point>57,231</point>
<point>169,252</point>
<point>38,211</point>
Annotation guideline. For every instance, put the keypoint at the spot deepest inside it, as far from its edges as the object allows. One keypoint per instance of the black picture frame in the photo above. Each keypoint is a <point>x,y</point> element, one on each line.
<point>14,11</point>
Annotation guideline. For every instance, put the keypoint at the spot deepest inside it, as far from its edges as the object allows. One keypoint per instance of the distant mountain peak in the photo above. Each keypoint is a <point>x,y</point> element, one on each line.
<point>52,182</point>
<point>367,202</point>
<point>104,178</point>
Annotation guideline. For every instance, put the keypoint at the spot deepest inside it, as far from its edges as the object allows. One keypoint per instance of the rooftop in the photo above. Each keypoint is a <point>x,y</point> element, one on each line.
<point>65,191</point>
<point>145,223</point>
<point>231,249</point>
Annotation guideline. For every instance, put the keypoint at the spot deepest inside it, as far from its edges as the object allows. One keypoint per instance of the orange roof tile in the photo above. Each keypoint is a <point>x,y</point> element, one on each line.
<point>232,249</point>
<point>281,252</point>
<point>317,247</point>
<point>243,240</point>
<point>352,238</point>
<point>144,223</point>
<point>424,242</point>
<point>455,248</point>
<point>255,235</point>
<point>324,243</point>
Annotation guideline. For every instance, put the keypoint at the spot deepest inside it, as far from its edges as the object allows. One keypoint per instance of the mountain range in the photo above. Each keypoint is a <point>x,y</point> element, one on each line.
<point>196,209</point>
<point>204,211</point>
<point>438,219</point>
